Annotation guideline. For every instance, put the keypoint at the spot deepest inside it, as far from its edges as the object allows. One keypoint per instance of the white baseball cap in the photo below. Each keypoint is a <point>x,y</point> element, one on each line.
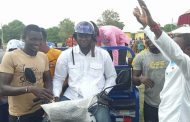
<point>14,44</point>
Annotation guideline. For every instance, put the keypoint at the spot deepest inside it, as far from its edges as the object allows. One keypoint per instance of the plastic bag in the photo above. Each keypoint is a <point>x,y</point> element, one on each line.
<point>70,111</point>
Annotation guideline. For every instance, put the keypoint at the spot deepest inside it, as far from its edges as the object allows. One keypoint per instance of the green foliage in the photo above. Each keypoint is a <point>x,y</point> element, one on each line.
<point>109,17</point>
<point>6,31</point>
<point>13,30</point>
<point>169,27</point>
<point>53,34</point>
<point>66,28</point>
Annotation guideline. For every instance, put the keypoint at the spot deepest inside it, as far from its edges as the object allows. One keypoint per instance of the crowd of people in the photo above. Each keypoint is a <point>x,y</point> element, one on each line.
<point>32,73</point>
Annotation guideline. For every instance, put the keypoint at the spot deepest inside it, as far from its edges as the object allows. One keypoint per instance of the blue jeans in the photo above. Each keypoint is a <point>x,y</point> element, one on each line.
<point>100,112</point>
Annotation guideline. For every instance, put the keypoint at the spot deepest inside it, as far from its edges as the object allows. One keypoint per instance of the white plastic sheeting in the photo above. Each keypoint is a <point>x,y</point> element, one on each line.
<point>70,110</point>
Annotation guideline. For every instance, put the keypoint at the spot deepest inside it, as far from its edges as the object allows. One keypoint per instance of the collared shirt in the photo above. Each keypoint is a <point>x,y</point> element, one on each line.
<point>175,95</point>
<point>87,77</point>
<point>112,36</point>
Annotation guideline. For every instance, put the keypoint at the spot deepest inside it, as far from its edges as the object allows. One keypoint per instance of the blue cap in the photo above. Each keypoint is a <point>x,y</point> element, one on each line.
<point>84,27</point>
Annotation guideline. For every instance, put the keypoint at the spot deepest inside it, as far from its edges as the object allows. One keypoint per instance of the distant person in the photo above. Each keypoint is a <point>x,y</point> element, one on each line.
<point>25,77</point>
<point>4,114</point>
<point>70,42</point>
<point>113,36</point>
<point>149,69</point>
<point>132,42</point>
<point>140,45</point>
<point>55,44</point>
<point>175,95</point>
<point>135,46</point>
<point>52,53</point>
<point>14,44</point>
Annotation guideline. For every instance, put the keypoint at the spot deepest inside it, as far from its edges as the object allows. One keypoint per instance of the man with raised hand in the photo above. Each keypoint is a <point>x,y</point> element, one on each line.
<point>175,95</point>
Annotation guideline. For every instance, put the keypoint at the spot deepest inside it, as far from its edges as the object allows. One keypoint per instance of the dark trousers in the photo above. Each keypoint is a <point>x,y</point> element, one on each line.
<point>33,117</point>
<point>4,114</point>
<point>150,113</point>
<point>122,56</point>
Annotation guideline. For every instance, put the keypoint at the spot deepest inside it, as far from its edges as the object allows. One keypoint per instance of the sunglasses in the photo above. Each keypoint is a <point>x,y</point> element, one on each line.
<point>29,75</point>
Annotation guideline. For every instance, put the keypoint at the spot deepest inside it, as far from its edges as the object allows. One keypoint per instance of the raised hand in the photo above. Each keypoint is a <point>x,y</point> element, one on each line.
<point>141,17</point>
<point>146,19</point>
<point>145,16</point>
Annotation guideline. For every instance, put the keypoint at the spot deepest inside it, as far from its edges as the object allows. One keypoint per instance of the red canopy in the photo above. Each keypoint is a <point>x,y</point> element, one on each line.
<point>184,18</point>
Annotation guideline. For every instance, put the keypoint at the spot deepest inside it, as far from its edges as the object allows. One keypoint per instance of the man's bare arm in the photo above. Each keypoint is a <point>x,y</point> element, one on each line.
<point>47,80</point>
<point>6,89</point>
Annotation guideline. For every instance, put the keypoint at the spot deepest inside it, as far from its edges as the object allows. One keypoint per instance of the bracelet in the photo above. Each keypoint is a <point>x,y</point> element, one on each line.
<point>27,89</point>
<point>155,27</point>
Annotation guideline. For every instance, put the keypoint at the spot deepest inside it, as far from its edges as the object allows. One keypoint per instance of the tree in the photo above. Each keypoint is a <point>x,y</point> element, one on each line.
<point>13,30</point>
<point>169,27</point>
<point>5,31</point>
<point>53,34</point>
<point>109,17</point>
<point>66,29</point>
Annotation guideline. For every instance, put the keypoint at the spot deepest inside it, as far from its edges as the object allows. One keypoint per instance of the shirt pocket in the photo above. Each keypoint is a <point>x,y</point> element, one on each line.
<point>96,70</point>
<point>74,71</point>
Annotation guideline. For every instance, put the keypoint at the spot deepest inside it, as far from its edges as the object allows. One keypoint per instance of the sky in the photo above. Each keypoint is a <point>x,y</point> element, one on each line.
<point>49,13</point>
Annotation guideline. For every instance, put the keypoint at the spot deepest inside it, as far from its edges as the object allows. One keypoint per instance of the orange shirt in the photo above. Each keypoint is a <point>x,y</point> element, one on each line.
<point>53,55</point>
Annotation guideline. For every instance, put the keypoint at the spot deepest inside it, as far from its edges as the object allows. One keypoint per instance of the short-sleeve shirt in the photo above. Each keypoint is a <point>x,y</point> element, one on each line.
<point>15,62</point>
<point>153,66</point>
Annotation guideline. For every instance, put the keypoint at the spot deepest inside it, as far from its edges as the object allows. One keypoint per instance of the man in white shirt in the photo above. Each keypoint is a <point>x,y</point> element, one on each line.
<point>175,95</point>
<point>90,69</point>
